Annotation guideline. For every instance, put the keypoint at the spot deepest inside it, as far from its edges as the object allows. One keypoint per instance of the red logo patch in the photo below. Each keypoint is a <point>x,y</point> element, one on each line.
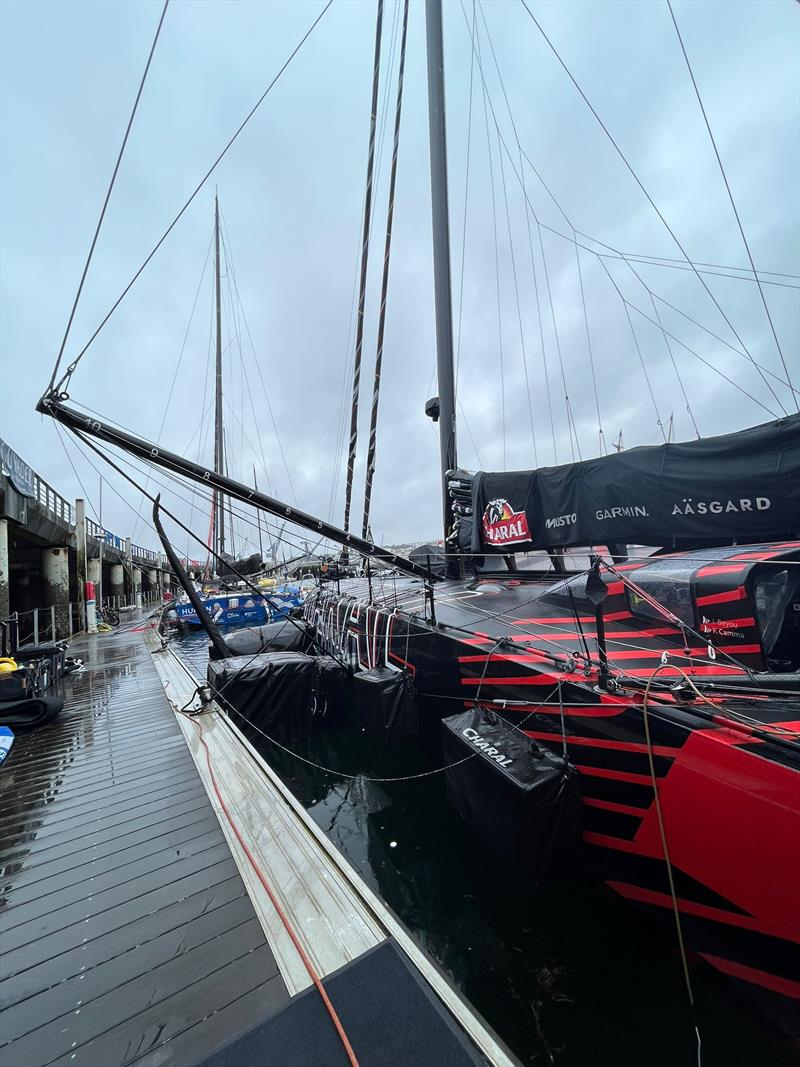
<point>504,526</point>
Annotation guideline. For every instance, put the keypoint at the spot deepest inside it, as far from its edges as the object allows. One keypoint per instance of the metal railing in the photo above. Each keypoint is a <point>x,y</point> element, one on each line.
<point>60,508</point>
<point>145,553</point>
<point>39,624</point>
<point>52,501</point>
<point>31,627</point>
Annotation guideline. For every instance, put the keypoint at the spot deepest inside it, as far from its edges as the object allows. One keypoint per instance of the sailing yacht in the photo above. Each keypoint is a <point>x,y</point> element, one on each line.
<point>658,695</point>
<point>229,607</point>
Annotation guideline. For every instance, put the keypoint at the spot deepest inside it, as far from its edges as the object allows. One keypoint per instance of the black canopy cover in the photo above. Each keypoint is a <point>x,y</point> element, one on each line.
<point>741,486</point>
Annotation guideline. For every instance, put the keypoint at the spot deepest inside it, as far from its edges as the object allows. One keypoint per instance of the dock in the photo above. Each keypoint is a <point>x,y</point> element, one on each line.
<point>135,924</point>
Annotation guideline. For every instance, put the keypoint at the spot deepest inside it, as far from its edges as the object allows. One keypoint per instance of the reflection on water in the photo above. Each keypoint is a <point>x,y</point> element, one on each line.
<point>568,976</point>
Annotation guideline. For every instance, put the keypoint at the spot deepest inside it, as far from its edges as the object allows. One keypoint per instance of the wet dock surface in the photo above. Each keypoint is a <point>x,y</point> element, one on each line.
<point>127,935</point>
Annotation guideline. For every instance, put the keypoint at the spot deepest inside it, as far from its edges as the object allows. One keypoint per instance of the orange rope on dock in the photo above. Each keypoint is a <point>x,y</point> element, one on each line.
<point>276,903</point>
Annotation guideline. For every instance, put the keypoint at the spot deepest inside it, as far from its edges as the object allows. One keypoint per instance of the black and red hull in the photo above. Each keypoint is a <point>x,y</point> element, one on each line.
<point>729,792</point>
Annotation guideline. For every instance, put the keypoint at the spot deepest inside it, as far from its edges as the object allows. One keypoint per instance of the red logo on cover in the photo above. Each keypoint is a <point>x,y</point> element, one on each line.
<point>504,526</point>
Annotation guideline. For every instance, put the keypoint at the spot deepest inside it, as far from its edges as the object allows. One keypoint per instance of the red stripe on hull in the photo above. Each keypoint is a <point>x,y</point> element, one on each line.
<point>611,805</point>
<point>740,593</point>
<point>691,907</point>
<point>773,982</point>
<point>599,742</point>
<point>617,776</point>
<point>725,568</point>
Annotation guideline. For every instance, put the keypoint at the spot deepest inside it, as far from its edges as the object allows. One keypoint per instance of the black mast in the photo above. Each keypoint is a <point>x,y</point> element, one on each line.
<point>441,255</point>
<point>219,454</point>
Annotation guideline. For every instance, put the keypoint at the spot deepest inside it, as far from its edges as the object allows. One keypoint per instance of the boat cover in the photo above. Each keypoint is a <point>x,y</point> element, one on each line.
<point>385,703</point>
<point>281,636</point>
<point>521,800</point>
<point>741,487</point>
<point>282,695</point>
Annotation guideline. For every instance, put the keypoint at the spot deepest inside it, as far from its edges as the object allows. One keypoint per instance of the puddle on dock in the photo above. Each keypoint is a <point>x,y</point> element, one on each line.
<point>568,977</point>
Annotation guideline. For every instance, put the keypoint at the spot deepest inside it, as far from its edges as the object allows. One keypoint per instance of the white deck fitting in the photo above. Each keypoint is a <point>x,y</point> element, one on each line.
<point>336,914</point>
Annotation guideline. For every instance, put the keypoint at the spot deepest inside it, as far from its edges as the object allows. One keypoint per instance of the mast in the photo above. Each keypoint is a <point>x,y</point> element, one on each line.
<point>219,448</point>
<point>441,255</point>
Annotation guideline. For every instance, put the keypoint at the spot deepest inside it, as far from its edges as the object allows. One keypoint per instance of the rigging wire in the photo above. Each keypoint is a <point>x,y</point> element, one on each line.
<point>730,197</point>
<point>466,203</point>
<point>362,287</point>
<point>570,413</point>
<point>256,361</point>
<point>702,359</point>
<point>496,262</point>
<point>71,368</point>
<point>528,210</point>
<point>659,422</point>
<point>178,364</point>
<point>705,329</point>
<point>541,226</point>
<point>169,488</point>
<point>698,263</point>
<point>108,195</point>
<point>601,435</point>
<point>650,200</point>
<point>674,365</point>
<point>373,428</point>
<point>519,309</point>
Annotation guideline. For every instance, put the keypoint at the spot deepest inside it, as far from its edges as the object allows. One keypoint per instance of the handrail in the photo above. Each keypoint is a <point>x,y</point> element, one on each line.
<point>60,508</point>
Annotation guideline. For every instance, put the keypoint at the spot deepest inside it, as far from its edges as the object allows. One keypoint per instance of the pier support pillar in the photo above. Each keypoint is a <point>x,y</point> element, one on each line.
<point>155,587</point>
<point>93,573</point>
<point>80,540</point>
<point>55,586</point>
<point>136,575</point>
<point>117,583</point>
<point>5,571</point>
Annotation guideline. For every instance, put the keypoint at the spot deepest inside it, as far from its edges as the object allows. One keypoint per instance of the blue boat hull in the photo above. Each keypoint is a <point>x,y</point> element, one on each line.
<point>239,610</point>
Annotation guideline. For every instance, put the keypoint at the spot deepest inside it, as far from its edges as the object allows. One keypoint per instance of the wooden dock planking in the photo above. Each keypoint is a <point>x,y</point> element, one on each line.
<point>127,933</point>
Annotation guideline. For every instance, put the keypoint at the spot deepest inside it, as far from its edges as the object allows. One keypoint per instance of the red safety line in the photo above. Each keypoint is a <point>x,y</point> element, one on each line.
<point>276,904</point>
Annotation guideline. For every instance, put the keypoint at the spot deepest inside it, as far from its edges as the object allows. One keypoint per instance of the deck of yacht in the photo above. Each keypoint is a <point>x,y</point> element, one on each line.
<point>134,927</point>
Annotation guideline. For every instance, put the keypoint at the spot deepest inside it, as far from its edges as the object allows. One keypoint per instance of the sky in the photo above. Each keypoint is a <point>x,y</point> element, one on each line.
<point>535,385</point>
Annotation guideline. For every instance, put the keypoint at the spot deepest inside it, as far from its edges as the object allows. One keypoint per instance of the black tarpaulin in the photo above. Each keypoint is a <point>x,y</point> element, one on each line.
<point>520,799</point>
<point>282,694</point>
<point>429,556</point>
<point>272,693</point>
<point>331,691</point>
<point>281,636</point>
<point>385,703</point>
<point>741,487</point>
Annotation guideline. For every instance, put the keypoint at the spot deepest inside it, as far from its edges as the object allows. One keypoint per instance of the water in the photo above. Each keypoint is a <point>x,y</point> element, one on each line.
<point>569,976</point>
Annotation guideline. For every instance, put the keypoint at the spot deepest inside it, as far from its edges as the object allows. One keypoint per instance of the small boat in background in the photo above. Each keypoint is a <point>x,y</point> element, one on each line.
<point>241,607</point>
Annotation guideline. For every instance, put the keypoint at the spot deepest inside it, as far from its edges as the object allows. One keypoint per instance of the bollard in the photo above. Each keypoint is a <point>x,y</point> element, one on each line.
<point>91,609</point>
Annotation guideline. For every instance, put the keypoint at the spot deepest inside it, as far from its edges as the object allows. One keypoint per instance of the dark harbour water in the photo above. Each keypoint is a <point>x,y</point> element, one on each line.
<point>569,976</point>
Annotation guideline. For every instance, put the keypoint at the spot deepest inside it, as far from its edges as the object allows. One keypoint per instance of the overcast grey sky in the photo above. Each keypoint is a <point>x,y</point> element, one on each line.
<point>291,191</point>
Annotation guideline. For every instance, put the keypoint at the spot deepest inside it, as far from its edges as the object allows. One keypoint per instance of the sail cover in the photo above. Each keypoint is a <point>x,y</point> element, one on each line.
<point>741,487</point>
